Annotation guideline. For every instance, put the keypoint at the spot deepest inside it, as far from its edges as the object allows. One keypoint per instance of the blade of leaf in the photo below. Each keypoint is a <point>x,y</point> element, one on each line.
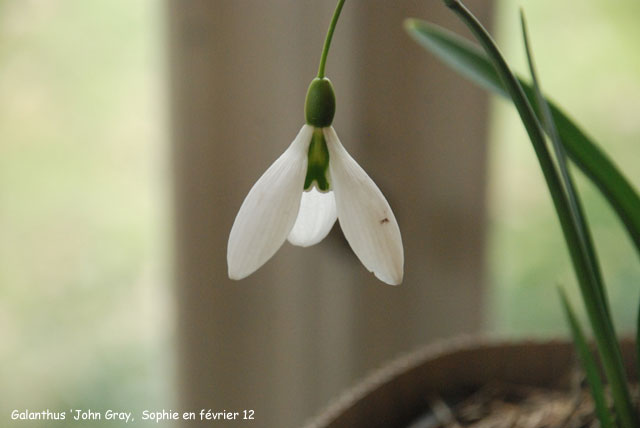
<point>574,200</point>
<point>468,59</point>
<point>602,327</point>
<point>459,53</point>
<point>588,364</point>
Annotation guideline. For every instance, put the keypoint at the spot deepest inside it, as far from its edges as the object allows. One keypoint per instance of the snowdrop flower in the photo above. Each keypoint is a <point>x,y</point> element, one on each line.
<point>313,183</point>
<point>302,193</point>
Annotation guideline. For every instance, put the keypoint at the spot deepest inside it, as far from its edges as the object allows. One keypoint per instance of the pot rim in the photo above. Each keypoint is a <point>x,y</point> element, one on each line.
<point>397,375</point>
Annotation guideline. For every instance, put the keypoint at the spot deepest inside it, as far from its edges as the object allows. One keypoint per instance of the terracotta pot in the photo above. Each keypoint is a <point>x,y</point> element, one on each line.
<point>395,395</point>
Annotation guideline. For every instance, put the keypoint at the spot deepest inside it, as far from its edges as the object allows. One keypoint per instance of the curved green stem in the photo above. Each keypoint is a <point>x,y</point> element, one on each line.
<point>327,41</point>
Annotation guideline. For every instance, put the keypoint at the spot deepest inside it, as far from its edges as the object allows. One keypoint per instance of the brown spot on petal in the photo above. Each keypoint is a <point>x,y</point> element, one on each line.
<point>384,220</point>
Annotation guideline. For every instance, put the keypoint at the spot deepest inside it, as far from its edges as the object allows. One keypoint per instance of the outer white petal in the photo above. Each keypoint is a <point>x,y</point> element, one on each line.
<point>315,219</point>
<point>269,210</point>
<point>365,216</point>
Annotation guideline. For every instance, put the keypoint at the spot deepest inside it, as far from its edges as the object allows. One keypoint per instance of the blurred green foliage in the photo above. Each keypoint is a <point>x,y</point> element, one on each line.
<point>589,44</point>
<point>84,312</point>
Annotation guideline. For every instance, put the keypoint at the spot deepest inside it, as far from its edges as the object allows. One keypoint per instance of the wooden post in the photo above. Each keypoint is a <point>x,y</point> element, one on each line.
<point>312,321</point>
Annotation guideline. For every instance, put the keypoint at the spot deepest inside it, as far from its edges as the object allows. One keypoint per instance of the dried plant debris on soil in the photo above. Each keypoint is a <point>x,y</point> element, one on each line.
<point>500,405</point>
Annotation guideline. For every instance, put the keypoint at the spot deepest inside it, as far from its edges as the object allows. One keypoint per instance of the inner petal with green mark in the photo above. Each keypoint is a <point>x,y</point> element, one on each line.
<point>318,163</point>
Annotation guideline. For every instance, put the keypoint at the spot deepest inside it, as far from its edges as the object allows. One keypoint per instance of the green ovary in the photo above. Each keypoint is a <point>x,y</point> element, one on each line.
<point>320,104</point>
<point>318,162</point>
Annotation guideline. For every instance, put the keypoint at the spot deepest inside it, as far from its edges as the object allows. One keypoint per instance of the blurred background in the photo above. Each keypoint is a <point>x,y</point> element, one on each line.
<point>132,130</point>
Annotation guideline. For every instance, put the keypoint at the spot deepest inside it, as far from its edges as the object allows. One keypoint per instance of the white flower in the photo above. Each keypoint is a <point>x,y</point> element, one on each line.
<point>278,207</point>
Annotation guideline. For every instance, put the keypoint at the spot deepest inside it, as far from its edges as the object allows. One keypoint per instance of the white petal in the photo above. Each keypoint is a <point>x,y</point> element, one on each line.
<point>365,216</point>
<point>269,210</point>
<point>315,219</point>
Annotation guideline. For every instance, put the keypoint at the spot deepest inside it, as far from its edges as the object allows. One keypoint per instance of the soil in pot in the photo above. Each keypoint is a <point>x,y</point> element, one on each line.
<point>504,405</point>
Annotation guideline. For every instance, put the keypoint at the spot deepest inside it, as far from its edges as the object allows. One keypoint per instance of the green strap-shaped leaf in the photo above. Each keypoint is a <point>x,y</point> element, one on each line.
<point>588,364</point>
<point>602,327</point>
<point>470,60</point>
<point>575,205</point>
